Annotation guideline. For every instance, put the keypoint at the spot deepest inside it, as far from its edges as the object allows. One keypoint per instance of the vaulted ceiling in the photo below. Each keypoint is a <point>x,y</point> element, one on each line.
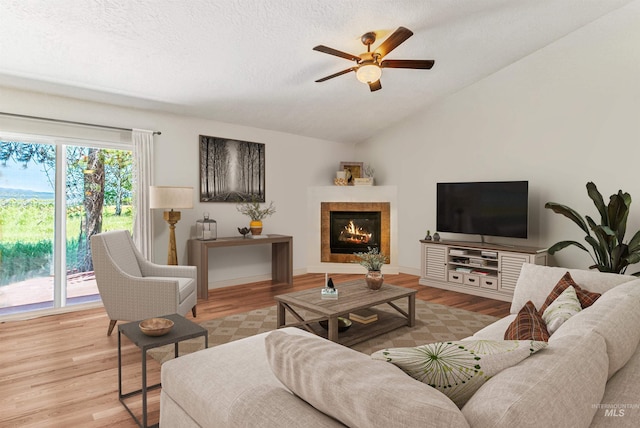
<point>251,62</point>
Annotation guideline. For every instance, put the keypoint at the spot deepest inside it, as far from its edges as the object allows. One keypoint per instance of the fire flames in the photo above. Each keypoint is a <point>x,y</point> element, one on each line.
<point>354,234</point>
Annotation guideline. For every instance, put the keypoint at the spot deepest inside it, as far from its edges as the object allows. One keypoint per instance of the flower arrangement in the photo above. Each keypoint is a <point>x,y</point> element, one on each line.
<point>372,259</point>
<point>254,212</point>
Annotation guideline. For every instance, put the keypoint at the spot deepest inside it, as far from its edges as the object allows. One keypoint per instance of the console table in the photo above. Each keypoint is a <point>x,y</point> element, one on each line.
<point>281,257</point>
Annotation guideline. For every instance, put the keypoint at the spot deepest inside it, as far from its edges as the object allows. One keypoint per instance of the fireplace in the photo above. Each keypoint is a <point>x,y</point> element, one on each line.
<point>350,227</point>
<point>352,231</point>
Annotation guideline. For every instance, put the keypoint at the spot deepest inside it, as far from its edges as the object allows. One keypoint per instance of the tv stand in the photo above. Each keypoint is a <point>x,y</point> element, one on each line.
<point>481,269</point>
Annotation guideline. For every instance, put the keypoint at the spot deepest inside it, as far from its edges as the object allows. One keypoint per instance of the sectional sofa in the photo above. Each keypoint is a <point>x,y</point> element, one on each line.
<point>587,375</point>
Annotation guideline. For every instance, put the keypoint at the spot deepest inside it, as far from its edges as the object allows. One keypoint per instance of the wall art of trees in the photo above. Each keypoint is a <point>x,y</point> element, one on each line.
<point>231,170</point>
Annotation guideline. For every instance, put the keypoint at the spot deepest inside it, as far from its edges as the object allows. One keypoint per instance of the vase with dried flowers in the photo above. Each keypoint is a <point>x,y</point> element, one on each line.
<point>372,260</point>
<point>256,213</point>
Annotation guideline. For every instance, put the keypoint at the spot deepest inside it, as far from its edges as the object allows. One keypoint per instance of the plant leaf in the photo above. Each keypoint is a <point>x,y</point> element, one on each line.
<point>563,244</point>
<point>619,258</point>
<point>570,213</point>
<point>634,244</point>
<point>596,197</point>
<point>601,251</point>
<point>618,211</point>
<point>633,258</point>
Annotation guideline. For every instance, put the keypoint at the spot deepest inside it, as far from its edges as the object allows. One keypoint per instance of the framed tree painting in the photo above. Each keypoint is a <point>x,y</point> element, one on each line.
<point>231,170</point>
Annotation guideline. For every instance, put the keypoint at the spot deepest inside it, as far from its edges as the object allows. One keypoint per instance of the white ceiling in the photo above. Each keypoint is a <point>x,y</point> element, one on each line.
<point>251,62</point>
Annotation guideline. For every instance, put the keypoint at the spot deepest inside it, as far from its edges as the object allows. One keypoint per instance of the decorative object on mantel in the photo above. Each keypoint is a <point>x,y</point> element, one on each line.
<point>171,197</point>
<point>367,178</point>
<point>341,178</point>
<point>206,229</point>
<point>372,260</point>
<point>610,252</point>
<point>243,231</point>
<point>436,237</point>
<point>428,236</point>
<point>352,170</point>
<point>221,160</point>
<point>256,214</point>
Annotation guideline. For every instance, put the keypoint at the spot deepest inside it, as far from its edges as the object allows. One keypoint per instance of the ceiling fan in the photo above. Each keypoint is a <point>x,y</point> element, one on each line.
<point>369,64</point>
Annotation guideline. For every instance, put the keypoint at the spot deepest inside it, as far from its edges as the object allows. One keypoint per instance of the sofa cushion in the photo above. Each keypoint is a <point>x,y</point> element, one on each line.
<point>494,331</point>
<point>206,383</point>
<point>536,282</point>
<point>561,309</point>
<point>555,387</point>
<point>619,407</point>
<point>355,389</point>
<point>616,317</point>
<point>458,368</point>
<point>585,297</point>
<point>268,406</point>
<point>528,325</point>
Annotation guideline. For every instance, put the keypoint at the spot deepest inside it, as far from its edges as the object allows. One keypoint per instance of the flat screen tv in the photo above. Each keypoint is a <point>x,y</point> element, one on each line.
<point>496,208</point>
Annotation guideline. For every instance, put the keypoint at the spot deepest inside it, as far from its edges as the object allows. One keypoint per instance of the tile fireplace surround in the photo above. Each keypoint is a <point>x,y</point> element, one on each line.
<point>355,197</point>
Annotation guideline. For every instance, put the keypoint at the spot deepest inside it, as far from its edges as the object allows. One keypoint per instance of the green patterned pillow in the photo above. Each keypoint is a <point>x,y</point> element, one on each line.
<point>561,309</point>
<point>459,368</point>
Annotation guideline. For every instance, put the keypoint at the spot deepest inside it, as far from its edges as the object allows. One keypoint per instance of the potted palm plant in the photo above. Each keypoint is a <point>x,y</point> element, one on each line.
<point>372,260</point>
<point>609,251</point>
<point>256,213</point>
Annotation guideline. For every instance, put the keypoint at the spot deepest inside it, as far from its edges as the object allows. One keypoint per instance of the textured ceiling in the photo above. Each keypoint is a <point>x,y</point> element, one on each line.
<point>251,62</point>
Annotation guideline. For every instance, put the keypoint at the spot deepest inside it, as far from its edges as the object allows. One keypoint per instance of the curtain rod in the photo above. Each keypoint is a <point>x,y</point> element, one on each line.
<point>70,122</point>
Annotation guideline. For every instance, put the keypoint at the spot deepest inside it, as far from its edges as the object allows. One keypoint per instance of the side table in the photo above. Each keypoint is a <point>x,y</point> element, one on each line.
<point>183,329</point>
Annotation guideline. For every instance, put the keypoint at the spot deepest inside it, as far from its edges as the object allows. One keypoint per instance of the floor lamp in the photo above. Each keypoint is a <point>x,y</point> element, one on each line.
<point>170,198</point>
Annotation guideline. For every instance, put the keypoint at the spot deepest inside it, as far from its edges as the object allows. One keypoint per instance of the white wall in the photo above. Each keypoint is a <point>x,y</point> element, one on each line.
<point>293,164</point>
<point>565,115</point>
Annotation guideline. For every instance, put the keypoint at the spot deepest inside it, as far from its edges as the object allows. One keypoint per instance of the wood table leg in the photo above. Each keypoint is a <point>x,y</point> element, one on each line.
<point>333,329</point>
<point>411,321</point>
<point>281,315</point>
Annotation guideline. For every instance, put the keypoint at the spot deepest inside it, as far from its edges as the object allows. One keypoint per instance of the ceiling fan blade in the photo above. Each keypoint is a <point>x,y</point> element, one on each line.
<point>375,86</point>
<point>393,41</point>
<point>331,51</point>
<point>339,73</point>
<point>425,64</point>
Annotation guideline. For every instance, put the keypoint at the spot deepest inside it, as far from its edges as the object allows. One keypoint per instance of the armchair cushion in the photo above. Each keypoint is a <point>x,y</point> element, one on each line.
<point>186,286</point>
<point>121,253</point>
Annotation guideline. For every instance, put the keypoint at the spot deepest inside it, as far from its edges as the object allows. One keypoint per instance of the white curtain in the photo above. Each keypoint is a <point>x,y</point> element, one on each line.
<point>142,176</point>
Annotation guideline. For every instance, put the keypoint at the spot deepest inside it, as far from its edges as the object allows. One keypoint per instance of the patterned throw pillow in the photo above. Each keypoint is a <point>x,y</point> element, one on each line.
<point>564,307</point>
<point>528,325</point>
<point>459,368</point>
<point>586,298</point>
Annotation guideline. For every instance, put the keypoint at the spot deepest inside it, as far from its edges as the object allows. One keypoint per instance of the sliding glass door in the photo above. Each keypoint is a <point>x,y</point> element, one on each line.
<point>27,224</point>
<point>53,198</point>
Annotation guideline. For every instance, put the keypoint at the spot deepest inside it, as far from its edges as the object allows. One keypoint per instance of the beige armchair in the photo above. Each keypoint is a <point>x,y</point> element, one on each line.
<point>132,288</point>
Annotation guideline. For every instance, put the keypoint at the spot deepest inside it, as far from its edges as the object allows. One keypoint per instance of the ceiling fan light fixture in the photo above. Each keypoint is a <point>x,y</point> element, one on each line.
<point>368,73</point>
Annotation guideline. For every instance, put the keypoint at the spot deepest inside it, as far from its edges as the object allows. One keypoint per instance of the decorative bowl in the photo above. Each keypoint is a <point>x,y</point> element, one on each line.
<point>343,324</point>
<point>156,326</point>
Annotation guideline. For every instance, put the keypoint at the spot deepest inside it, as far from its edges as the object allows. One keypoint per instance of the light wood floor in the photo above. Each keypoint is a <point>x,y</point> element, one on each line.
<point>61,370</point>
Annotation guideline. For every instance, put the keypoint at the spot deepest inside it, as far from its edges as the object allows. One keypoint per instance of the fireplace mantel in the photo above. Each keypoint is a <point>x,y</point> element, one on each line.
<point>317,195</point>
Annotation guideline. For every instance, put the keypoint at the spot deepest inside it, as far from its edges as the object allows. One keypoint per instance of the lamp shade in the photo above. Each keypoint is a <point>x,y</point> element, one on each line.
<point>368,73</point>
<point>170,197</point>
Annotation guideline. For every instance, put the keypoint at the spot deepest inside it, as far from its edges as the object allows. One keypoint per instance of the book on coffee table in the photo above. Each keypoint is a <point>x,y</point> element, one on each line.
<point>363,316</point>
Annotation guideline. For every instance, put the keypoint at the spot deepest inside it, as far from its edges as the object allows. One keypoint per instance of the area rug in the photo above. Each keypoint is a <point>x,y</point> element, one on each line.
<point>434,323</point>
